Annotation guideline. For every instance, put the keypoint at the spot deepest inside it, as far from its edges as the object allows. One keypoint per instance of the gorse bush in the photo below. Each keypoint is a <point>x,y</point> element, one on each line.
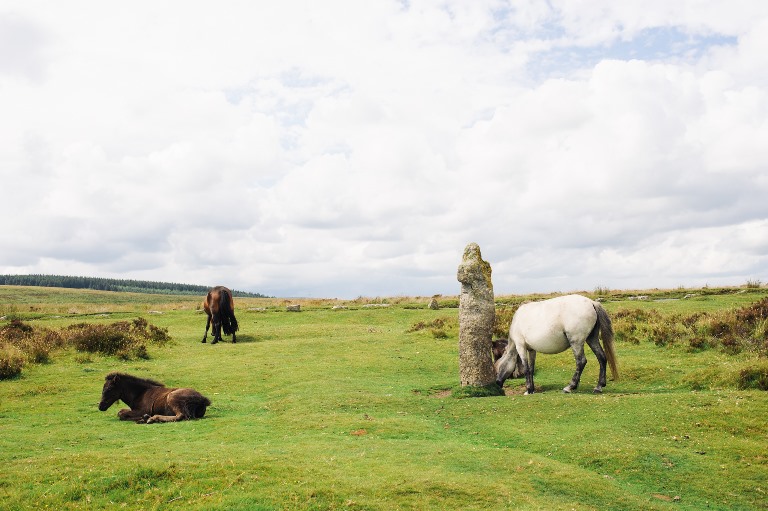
<point>22,343</point>
<point>123,339</point>
<point>11,361</point>
<point>731,331</point>
<point>26,344</point>
<point>502,321</point>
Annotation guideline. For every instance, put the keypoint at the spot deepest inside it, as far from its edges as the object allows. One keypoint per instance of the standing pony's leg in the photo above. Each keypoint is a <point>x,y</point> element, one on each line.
<point>532,361</point>
<point>581,361</point>
<point>207,325</point>
<point>216,329</point>
<point>528,363</point>
<point>594,343</point>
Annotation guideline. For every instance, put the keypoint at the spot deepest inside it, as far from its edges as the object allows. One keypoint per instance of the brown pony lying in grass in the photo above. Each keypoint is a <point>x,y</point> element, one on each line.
<point>151,401</point>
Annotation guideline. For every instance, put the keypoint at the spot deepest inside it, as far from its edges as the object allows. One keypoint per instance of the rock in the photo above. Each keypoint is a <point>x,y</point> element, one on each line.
<point>476,317</point>
<point>293,308</point>
<point>433,304</point>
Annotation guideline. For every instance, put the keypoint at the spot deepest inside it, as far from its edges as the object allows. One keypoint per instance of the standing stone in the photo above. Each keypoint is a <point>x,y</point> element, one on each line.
<point>476,316</point>
<point>433,304</point>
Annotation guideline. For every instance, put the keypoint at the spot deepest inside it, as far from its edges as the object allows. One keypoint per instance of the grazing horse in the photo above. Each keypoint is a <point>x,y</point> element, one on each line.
<point>553,326</point>
<point>151,401</point>
<point>498,347</point>
<point>220,307</point>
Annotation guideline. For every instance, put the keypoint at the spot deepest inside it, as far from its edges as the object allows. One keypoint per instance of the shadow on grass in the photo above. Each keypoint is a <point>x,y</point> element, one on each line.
<point>241,339</point>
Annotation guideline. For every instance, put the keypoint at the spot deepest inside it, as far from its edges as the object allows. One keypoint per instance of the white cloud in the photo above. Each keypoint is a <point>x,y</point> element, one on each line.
<point>344,149</point>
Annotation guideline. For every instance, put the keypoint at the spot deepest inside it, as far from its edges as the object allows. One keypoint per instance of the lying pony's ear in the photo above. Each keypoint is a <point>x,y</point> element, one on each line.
<point>113,377</point>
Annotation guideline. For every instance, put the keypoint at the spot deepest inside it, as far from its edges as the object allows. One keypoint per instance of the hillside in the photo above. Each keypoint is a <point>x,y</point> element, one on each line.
<point>102,284</point>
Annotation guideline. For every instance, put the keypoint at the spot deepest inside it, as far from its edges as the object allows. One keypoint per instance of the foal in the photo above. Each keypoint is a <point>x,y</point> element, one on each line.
<point>151,401</point>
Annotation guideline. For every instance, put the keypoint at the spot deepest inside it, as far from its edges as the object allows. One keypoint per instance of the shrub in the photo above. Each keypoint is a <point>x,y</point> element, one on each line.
<point>602,290</point>
<point>11,361</point>
<point>22,342</point>
<point>732,331</point>
<point>754,377</point>
<point>503,319</point>
<point>123,339</point>
<point>35,344</point>
<point>96,338</point>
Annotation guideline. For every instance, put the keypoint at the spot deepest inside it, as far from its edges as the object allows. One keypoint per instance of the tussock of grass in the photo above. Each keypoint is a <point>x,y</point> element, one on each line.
<point>477,391</point>
<point>754,376</point>
<point>440,328</point>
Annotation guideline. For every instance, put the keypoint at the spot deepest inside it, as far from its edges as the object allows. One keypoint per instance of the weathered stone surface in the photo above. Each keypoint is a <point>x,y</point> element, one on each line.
<point>476,316</point>
<point>293,308</point>
<point>433,304</point>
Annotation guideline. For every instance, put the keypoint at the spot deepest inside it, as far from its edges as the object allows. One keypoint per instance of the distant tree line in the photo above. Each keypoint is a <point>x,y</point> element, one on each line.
<point>102,284</point>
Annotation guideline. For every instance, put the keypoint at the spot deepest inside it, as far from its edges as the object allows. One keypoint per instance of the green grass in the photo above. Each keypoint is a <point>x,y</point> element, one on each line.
<point>352,409</point>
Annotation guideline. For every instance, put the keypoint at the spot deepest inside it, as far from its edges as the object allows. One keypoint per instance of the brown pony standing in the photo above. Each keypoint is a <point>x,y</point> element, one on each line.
<point>151,401</point>
<point>220,307</point>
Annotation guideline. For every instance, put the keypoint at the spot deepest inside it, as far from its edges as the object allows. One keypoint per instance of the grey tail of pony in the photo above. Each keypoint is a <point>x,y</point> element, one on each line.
<point>606,332</point>
<point>228,320</point>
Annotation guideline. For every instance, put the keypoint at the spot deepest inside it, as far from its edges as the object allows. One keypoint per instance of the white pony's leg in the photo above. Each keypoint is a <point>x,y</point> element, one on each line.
<point>528,363</point>
<point>594,343</point>
<point>532,361</point>
<point>581,361</point>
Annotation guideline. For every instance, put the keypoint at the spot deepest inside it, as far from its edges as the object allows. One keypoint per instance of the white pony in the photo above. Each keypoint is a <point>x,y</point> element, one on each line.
<point>552,326</point>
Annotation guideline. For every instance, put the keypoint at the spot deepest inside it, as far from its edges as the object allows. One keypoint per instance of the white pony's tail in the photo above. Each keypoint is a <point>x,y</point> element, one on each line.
<point>606,332</point>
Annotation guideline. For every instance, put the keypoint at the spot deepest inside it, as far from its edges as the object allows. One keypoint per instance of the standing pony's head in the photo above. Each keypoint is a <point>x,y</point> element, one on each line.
<point>499,345</point>
<point>508,365</point>
<point>111,391</point>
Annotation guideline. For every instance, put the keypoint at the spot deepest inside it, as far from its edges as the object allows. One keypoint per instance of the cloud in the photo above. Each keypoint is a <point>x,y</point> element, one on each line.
<point>339,149</point>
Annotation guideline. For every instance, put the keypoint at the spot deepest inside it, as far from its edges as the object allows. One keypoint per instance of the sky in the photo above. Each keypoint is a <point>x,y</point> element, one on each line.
<point>342,148</point>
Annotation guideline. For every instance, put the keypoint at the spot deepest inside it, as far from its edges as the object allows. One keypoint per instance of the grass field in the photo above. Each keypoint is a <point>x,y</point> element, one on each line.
<point>351,409</point>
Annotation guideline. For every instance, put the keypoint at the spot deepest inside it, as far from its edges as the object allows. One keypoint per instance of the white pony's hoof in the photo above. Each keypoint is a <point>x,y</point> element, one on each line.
<point>598,390</point>
<point>567,390</point>
<point>526,393</point>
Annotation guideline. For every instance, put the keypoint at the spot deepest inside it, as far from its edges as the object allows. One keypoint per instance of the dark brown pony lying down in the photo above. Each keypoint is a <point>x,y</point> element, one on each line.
<point>151,401</point>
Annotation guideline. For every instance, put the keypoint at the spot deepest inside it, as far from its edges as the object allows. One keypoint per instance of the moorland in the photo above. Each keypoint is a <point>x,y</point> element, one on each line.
<point>354,405</point>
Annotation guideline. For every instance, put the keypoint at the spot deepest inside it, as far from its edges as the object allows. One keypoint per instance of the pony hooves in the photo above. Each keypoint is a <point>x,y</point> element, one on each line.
<point>598,390</point>
<point>567,390</point>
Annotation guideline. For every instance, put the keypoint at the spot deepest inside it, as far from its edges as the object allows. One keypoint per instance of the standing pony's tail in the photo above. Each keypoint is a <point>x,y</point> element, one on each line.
<point>227,313</point>
<point>606,332</point>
